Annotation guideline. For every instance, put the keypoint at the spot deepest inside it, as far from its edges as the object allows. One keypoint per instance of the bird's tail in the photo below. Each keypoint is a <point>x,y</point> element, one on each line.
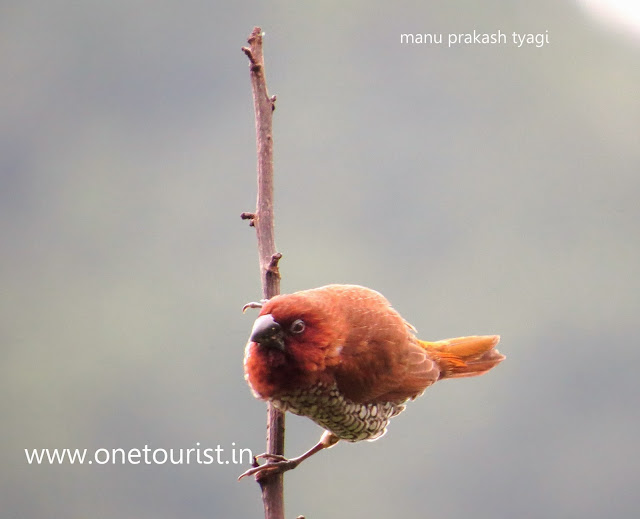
<point>465,356</point>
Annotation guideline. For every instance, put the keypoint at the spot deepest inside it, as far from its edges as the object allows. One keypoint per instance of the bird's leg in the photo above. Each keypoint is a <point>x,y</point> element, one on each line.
<point>276,464</point>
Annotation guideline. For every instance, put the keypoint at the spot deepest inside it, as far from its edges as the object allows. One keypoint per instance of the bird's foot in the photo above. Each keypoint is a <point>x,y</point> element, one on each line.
<point>275,464</point>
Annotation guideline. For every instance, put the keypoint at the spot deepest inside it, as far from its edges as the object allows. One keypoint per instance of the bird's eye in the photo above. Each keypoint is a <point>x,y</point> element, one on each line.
<point>297,326</point>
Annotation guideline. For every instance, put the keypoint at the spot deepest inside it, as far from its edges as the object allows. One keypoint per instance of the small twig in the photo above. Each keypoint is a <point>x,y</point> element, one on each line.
<point>249,216</point>
<point>272,270</point>
<point>249,54</point>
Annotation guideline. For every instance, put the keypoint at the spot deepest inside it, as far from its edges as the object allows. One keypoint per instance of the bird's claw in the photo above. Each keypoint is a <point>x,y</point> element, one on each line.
<point>254,304</point>
<point>275,464</point>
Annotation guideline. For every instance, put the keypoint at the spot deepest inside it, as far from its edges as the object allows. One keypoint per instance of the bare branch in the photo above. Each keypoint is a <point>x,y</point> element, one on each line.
<point>272,486</point>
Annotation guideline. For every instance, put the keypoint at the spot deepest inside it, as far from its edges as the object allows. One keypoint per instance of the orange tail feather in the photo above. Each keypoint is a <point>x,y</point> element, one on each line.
<point>465,356</point>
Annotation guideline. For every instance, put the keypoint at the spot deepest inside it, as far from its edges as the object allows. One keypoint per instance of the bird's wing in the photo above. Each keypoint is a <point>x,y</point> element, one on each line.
<point>421,372</point>
<point>385,372</point>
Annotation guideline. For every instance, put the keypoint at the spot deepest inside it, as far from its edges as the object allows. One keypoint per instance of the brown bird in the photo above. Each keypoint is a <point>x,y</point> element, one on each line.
<point>342,356</point>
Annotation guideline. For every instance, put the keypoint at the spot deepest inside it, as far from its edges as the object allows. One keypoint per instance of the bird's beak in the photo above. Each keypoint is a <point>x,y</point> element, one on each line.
<point>267,332</point>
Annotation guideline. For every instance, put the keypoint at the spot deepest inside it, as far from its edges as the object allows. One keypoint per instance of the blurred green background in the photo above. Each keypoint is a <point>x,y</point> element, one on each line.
<point>481,189</point>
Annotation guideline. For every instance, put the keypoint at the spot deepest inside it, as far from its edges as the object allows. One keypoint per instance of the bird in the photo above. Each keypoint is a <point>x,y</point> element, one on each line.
<point>342,356</point>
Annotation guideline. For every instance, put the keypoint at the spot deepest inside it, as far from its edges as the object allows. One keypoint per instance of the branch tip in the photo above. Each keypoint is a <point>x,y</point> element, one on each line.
<point>255,33</point>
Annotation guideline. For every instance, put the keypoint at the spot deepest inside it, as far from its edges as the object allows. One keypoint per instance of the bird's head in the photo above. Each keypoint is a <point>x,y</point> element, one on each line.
<point>293,341</point>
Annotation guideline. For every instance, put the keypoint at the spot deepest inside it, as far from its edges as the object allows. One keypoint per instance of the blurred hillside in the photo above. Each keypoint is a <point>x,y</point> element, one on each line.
<point>481,189</point>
